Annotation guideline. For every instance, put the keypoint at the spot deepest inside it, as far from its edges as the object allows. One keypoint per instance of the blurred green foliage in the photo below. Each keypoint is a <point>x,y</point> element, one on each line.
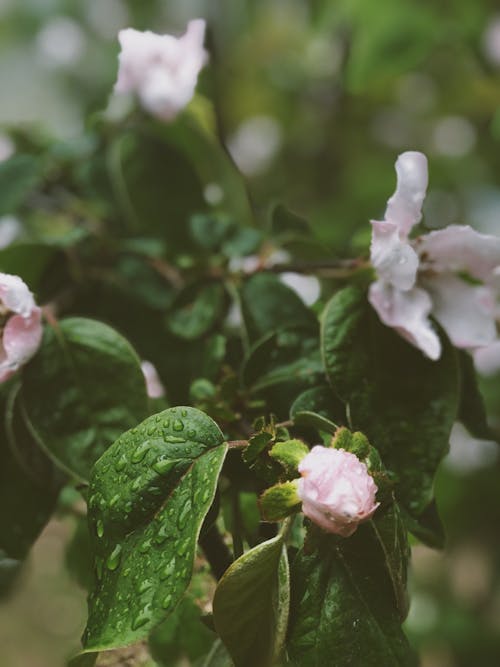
<point>314,99</point>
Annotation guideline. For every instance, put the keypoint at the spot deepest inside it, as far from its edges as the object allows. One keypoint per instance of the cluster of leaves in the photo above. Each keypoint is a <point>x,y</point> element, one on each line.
<point>132,263</point>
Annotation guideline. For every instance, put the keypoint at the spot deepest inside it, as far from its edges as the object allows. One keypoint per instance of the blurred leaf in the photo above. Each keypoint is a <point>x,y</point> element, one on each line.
<point>268,306</point>
<point>148,496</point>
<point>287,223</point>
<point>472,411</point>
<point>403,402</point>
<point>343,602</point>
<point>196,310</point>
<point>251,605</point>
<point>181,635</point>
<point>427,527</point>
<point>156,187</point>
<point>78,557</point>
<point>26,504</point>
<point>27,260</point>
<point>97,390</point>
<point>19,175</point>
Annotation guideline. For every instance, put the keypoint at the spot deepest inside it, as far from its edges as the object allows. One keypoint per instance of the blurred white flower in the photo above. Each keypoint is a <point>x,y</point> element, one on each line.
<point>10,229</point>
<point>154,385</point>
<point>61,42</point>
<point>161,69</point>
<point>453,136</point>
<point>255,143</point>
<point>7,147</point>
<point>491,41</point>
<point>468,454</point>
<point>308,288</point>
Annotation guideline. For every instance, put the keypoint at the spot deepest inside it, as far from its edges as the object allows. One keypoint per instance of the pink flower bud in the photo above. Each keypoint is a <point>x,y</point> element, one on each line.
<point>21,328</point>
<point>154,385</point>
<point>336,490</point>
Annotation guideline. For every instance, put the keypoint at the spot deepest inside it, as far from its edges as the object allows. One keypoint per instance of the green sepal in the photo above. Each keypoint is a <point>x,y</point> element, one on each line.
<point>279,501</point>
<point>289,453</point>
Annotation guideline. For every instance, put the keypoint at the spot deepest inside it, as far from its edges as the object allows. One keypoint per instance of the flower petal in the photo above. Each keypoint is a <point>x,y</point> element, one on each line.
<point>408,313</point>
<point>461,248</point>
<point>308,288</point>
<point>15,295</point>
<point>21,338</point>
<point>404,208</point>
<point>487,359</point>
<point>394,260</point>
<point>466,312</point>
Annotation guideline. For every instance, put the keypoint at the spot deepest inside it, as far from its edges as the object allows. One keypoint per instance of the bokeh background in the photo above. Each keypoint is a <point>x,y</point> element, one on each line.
<point>314,100</point>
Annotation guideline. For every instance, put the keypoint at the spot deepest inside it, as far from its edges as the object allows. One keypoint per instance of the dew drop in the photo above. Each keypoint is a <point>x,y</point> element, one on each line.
<point>100,528</point>
<point>114,500</point>
<point>139,621</point>
<point>144,586</point>
<point>140,453</point>
<point>191,433</point>
<point>183,547</point>
<point>183,514</point>
<point>174,439</point>
<point>184,412</point>
<point>167,601</point>
<point>168,570</point>
<point>114,558</point>
<point>178,425</point>
<point>98,567</point>
<point>137,483</point>
<point>163,466</point>
<point>121,464</point>
<point>145,546</point>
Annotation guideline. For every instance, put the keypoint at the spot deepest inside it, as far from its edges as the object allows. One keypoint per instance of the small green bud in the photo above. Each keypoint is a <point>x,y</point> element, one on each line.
<point>279,501</point>
<point>289,453</point>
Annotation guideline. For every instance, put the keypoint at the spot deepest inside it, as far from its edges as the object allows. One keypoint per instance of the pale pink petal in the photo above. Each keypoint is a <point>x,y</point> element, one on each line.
<point>487,359</point>
<point>460,248</point>
<point>15,295</point>
<point>466,312</point>
<point>404,208</point>
<point>336,490</point>
<point>308,288</point>
<point>408,313</point>
<point>394,260</point>
<point>21,338</point>
<point>154,386</point>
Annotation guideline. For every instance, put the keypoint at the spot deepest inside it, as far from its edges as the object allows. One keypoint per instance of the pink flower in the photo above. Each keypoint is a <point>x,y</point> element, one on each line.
<point>422,277</point>
<point>336,490</point>
<point>21,325</point>
<point>162,69</point>
<point>154,385</point>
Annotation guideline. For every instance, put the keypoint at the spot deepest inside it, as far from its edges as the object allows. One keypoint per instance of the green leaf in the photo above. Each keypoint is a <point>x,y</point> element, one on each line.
<point>284,222</point>
<point>427,527</point>
<point>149,494</point>
<point>18,177</point>
<point>269,305</point>
<point>472,411</point>
<point>155,185</point>
<point>251,605</point>
<point>26,500</point>
<point>182,635</point>
<point>27,260</point>
<point>343,603</point>
<point>318,408</point>
<point>403,402</point>
<point>197,310</point>
<point>97,391</point>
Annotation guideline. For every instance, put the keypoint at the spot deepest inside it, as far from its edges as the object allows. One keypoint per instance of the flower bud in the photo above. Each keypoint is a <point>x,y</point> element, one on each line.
<point>21,328</point>
<point>336,490</point>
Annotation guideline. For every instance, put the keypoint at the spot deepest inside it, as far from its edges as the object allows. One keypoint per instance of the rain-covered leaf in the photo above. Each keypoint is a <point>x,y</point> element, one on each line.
<point>148,496</point>
<point>251,605</point>
<point>83,388</point>
<point>343,603</point>
<point>403,402</point>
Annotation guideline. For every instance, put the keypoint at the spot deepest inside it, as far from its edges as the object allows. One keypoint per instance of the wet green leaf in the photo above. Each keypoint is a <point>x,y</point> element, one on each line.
<point>148,496</point>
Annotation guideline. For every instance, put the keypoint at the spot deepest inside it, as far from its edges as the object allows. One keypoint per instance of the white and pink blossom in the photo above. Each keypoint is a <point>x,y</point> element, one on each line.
<point>423,277</point>
<point>161,69</point>
<point>154,385</point>
<point>336,490</point>
<point>21,325</point>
